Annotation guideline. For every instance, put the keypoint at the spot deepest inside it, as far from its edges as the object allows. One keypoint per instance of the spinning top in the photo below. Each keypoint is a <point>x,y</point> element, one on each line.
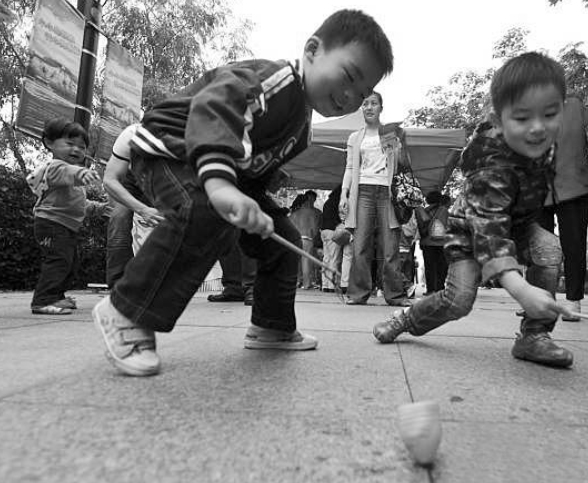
<point>420,429</point>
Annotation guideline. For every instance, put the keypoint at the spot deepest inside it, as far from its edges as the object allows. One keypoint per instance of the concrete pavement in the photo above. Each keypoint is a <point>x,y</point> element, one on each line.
<point>220,413</point>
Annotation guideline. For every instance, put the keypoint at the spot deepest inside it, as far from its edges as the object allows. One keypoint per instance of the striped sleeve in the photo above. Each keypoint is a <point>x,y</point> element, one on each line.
<point>121,149</point>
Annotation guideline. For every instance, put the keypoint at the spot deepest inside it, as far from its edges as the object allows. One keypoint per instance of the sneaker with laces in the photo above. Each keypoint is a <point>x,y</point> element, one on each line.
<point>572,306</point>
<point>387,331</point>
<point>261,338</point>
<point>538,347</point>
<point>129,347</point>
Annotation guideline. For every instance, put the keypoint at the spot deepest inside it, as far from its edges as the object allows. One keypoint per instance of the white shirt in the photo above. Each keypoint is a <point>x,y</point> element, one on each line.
<point>373,169</point>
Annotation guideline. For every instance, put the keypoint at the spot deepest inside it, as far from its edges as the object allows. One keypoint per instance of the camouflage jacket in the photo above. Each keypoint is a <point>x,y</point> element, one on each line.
<point>503,194</point>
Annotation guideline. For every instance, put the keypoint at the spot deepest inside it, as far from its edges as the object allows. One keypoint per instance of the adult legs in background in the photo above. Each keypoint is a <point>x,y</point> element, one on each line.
<point>119,246</point>
<point>332,254</point>
<point>572,217</point>
<point>360,276</point>
<point>346,260</point>
<point>237,278</point>
<point>408,269</point>
<point>435,267</point>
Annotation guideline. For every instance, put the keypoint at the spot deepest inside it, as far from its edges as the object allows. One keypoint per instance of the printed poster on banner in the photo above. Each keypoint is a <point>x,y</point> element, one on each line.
<point>51,79</point>
<point>121,96</point>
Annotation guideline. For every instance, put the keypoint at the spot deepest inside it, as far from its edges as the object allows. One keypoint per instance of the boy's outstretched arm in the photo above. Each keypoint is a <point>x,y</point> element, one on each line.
<point>237,208</point>
<point>537,302</point>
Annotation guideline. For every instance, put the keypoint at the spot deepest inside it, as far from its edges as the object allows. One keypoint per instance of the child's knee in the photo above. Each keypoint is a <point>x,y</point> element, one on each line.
<point>462,304</point>
<point>547,255</point>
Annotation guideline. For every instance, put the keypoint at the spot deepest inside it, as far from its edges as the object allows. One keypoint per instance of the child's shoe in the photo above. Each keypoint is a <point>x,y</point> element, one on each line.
<point>387,332</point>
<point>539,348</point>
<point>130,347</point>
<point>52,309</point>
<point>572,306</point>
<point>261,338</point>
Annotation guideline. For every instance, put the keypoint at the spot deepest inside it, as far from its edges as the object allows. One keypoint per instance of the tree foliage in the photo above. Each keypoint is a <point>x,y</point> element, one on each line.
<point>176,39</point>
<point>555,2</point>
<point>464,101</point>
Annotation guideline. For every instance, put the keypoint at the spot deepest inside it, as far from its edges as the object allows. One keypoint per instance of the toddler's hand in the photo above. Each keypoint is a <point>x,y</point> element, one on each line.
<point>89,176</point>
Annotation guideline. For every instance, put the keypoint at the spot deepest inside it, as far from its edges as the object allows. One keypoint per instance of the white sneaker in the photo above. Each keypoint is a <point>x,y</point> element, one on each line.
<point>261,338</point>
<point>572,306</point>
<point>130,347</point>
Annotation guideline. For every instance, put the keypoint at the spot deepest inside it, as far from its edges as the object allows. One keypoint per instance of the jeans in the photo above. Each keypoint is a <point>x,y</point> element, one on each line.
<point>119,249</point>
<point>572,218</point>
<point>407,267</point>
<point>238,272</point>
<point>373,204</point>
<point>332,256</point>
<point>537,248</point>
<point>161,279</point>
<point>59,258</point>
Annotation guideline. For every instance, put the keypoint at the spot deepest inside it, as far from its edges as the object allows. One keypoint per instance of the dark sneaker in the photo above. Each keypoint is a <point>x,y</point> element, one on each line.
<point>387,332</point>
<point>226,297</point>
<point>248,298</point>
<point>541,349</point>
<point>130,347</point>
<point>260,338</point>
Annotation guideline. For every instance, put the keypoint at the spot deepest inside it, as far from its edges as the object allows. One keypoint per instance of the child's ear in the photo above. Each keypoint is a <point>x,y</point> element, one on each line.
<point>495,121</point>
<point>311,47</point>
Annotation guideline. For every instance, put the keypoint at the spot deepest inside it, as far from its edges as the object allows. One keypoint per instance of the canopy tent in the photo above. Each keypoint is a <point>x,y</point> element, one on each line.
<point>434,153</point>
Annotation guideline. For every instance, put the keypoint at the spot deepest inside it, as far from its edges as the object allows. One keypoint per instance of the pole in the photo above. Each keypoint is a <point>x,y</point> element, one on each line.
<point>92,11</point>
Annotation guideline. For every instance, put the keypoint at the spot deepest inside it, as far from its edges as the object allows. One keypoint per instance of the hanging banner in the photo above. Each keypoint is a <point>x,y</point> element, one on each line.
<point>121,96</point>
<point>51,79</point>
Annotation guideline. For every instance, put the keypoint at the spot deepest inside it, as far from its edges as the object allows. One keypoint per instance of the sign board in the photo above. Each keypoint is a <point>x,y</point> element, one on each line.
<point>121,96</point>
<point>51,79</point>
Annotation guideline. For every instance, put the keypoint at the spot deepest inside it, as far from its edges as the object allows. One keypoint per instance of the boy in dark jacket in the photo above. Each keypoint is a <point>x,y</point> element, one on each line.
<point>205,157</point>
<point>508,167</point>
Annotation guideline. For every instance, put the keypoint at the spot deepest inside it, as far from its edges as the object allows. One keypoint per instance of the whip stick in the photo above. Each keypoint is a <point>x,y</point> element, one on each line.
<point>282,241</point>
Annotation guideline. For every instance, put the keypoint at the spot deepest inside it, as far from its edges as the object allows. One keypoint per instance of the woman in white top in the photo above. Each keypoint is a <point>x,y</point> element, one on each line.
<point>366,200</point>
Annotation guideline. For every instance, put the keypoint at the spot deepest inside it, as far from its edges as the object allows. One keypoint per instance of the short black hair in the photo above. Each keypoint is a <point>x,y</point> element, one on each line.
<point>520,73</point>
<point>379,96</point>
<point>60,127</point>
<point>346,26</point>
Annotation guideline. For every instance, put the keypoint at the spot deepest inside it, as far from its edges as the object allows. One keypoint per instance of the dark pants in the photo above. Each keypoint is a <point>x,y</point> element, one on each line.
<point>407,266</point>
<point>59,257</point>
<point>161,279</point>
<point>238,272</point>
<point>435,268</point>
<point>119,242</point>
<point>572,219</point>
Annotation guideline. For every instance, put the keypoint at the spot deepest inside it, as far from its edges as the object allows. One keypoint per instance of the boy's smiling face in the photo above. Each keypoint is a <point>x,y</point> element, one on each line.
<point>531,124</point>
<point>71,150</point>
<point>336,81</point>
